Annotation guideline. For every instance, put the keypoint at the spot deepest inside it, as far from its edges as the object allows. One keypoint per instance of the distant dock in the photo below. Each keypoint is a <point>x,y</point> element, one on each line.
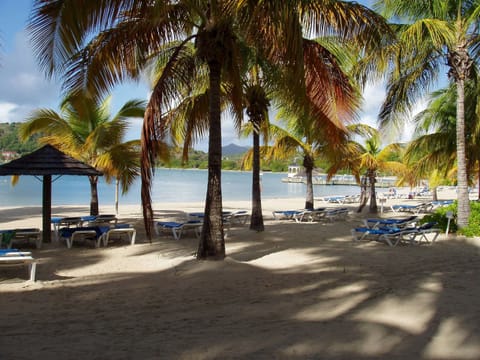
<point>382,181</point>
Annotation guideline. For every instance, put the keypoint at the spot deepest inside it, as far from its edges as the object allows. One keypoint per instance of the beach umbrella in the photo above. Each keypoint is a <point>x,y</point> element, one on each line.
<point>45,162</point>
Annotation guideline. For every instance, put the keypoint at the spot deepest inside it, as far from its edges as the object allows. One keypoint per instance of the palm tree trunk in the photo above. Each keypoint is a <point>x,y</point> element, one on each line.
<point>308,165</point>
<point>256,220</point>
<point>93,195</point>
<point>373,195</point>
<point>435,193</point>
<point>478,198</point>
<point>460,64</point>
<point>462,181</point>
<point>212,242</point>
<point>363,194</point>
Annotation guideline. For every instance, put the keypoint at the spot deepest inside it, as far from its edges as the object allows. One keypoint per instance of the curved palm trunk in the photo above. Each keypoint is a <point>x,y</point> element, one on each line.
<point>93,195</point>
<point>212,242</point>
<point>256,220</point>
<point>308,165</point>
<point>363,194</point>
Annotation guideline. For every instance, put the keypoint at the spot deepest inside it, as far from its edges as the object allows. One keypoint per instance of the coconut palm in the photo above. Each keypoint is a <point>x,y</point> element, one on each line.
<point>367,161</point>
<point>433,33</point>
<point>85,130</point>
<point>98,44</point>
<point>257,103</point>
<point>434,147</point>
<point>302,135</point>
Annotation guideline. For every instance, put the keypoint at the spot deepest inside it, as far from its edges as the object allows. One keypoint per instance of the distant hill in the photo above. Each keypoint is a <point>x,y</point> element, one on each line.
<point>233,149</point>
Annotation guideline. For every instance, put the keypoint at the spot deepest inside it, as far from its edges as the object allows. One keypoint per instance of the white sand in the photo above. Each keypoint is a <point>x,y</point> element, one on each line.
<point>294,291</point>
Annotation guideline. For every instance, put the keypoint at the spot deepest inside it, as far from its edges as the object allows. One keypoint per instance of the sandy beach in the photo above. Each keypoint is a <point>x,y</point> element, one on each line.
<point>294,291</point>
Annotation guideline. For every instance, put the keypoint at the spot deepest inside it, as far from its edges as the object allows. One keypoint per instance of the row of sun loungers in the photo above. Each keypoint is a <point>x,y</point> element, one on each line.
<point>424,207</point>
<point>395,231</point>
<point>194,223</point>
<point>97,234</point>
<point>342,199</point>
<point>319,214</point>
<point>99,229</point>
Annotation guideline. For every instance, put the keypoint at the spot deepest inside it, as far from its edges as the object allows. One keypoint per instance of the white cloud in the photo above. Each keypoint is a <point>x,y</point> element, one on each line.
<point>6,110</point>
<point>23,87</point>
<point>373,97</point>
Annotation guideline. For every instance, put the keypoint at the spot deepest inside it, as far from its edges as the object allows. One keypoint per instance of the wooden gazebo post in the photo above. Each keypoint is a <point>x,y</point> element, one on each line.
<point>47,208</point>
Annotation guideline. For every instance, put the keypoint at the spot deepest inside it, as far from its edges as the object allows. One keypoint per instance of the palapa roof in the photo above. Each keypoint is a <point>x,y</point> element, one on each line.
<point>47,160</point>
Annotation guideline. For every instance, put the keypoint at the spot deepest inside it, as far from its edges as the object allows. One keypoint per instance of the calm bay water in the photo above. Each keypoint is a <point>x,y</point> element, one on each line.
<point>170,185</point>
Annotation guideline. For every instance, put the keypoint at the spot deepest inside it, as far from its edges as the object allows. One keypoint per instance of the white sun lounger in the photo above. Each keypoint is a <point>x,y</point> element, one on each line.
<point>13,258</point>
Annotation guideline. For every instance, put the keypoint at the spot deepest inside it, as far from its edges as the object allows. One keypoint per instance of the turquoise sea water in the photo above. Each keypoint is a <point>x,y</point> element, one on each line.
<point>170,185</point>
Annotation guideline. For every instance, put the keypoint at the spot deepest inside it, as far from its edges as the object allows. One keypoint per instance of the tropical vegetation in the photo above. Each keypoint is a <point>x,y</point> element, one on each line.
<point>95,45</point>
<point>304,59</point>
<point>9,140</point>
<point>434,147</point>
<point>85,130</point>
<point>432,34</point>
<point>365,161</point>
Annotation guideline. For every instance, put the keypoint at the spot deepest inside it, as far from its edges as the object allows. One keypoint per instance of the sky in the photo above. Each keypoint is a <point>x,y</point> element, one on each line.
<point>24,88</point>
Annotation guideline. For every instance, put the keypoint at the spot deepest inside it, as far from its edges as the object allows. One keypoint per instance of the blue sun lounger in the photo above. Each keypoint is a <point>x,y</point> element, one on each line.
<point>177,228</point>
<point>423,207</point>
<point>93,233</point>
<point>286,214</point>
<point>393,222</point>
<point>393,236</point>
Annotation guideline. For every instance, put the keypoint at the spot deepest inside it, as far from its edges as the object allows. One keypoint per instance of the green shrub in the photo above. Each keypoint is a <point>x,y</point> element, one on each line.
<point>473,228</point>
<point>440,217</point>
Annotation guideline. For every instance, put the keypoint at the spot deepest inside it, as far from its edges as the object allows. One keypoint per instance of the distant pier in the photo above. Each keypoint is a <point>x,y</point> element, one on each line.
<point>382,181</point>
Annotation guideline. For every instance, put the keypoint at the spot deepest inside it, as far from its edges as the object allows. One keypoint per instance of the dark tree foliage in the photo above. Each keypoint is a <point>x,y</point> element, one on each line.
<point>9,140</point>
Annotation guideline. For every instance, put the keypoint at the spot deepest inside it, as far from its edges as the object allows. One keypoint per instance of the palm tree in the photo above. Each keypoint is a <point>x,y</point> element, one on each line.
<point>304,136</point>
<point>434,148</point>
<point>98,44</point>
<point>436,32</point>
<point>367,161</point>
<point>85,130</point>
<point>257,103</point>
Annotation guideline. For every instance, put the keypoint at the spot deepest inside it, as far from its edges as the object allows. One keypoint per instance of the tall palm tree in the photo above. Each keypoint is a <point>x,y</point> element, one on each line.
<point>434,32</point>
<point>257,104</point>
<point>98,44</point>
<point>85,130</point>
<point>366,161</point>
<point>434,147</point>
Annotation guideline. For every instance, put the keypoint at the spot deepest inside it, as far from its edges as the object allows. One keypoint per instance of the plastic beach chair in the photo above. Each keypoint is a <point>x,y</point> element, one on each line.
<point>119,231</point>
<point>14,257</point>
<point>394,222</point>
<point>286,214</point>
<point>94,233</point>
<point>177,228</point>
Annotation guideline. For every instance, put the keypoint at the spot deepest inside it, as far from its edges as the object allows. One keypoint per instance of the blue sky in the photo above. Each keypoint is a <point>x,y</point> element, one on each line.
<point>23,87</point>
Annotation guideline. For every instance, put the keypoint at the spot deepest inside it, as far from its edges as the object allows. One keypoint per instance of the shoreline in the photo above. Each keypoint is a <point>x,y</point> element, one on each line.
<point>15,216</point>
